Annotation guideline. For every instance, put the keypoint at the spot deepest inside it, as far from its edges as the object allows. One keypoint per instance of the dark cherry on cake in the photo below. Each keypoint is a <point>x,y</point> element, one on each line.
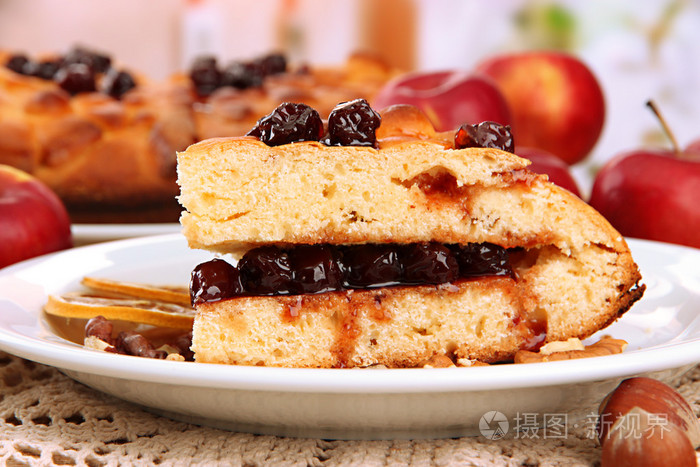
<point>353,123</point>
<point>289,123</point>
<point>241,75</point>
<point>116,83</point>
<point>371,265</point>
<point>485,135</point>
<point>19,63</point>
<point>266,271</point>
<point>76,78</point>
<point>76,72</point>
<point>96,61</point>
<point>207,76</point>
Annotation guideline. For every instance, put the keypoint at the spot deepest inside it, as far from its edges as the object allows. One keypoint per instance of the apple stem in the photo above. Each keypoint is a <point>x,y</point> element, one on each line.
<point>666,128</point>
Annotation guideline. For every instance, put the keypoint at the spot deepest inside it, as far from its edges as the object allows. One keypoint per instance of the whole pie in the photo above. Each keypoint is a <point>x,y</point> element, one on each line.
<point>105,138</point>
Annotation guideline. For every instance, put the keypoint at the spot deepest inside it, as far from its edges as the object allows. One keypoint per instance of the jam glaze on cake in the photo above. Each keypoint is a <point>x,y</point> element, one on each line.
<point>573,273</point>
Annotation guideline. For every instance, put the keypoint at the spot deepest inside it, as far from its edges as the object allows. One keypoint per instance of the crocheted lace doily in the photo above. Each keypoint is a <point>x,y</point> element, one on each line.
<point>47,418</point>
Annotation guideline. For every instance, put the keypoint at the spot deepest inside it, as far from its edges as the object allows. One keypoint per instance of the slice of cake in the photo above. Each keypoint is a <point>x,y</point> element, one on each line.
<point>361,245</point>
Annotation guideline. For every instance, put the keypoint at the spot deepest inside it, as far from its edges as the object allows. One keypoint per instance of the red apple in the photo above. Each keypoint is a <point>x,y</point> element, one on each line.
<point>448,98</point>
<point>652,194</point>
<point>547,163</point>
<point>33,220</point>
<point>556,101</point>
<point>693,149</point>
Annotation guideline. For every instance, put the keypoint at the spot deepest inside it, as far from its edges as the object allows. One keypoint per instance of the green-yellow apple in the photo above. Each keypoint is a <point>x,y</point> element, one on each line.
<point>556,101</point>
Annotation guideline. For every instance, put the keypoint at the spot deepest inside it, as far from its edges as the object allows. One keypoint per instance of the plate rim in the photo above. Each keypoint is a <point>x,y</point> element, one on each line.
<point>91,233</point>
<point>73,357</point>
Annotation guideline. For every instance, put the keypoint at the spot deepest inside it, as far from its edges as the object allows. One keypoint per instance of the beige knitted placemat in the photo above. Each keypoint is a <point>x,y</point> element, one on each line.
<point>47,418</point>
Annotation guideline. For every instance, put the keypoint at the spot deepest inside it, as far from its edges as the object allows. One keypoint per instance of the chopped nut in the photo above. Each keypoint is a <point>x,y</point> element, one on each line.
<point>605,346</point>
<point>562,346</point>
<point>438,361</point>
<point>378,366</point>
<point>173,353</point>
<point>92,342</point>
<point>169,349</point>
<point>468,362</point>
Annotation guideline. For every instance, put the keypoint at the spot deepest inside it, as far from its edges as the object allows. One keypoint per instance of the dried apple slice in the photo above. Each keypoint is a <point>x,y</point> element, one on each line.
<point>170,294</point>
<point>144,311</point>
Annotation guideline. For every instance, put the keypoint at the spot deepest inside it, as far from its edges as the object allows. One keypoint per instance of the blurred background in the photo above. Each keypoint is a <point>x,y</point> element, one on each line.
<point>638,50</point>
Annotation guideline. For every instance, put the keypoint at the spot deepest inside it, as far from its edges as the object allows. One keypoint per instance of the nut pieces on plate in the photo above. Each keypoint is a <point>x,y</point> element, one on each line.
<point>571,349</point>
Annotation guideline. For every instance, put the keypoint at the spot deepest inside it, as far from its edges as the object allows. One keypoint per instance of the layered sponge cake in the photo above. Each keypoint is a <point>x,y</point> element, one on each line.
<point>359,243</point>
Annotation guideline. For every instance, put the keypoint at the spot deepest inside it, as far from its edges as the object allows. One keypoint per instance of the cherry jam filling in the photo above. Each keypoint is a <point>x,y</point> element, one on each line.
<point>309,269</point>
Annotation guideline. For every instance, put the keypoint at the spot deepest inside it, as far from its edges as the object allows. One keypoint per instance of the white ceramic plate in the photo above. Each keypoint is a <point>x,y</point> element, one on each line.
<point>85,234</point>
<point>663,330</point>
